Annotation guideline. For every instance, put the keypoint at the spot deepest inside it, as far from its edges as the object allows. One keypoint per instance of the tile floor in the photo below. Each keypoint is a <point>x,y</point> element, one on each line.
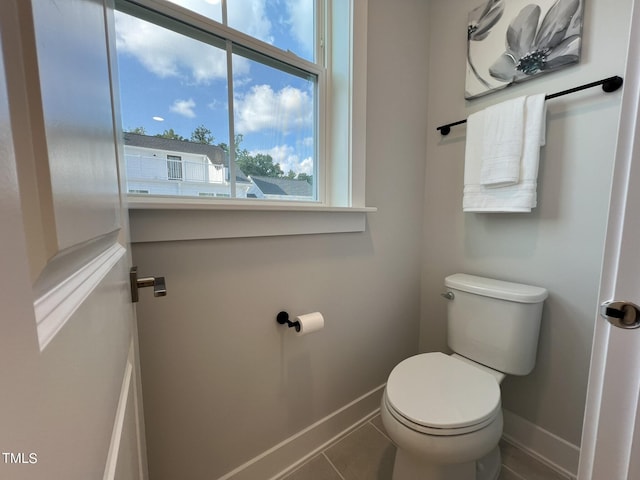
<point>367,454</point>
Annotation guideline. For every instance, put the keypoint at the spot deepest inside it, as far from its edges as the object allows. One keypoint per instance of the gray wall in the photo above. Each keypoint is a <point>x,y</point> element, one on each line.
<point>222,382</point>
<point>559,245</point>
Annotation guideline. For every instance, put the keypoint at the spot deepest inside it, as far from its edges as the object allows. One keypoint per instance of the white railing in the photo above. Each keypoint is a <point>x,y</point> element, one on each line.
<point>141,167</point>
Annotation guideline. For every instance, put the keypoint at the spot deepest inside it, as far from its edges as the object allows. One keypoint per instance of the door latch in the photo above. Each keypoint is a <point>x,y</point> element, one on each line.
<point>158,284</point>
<point>621,314</point>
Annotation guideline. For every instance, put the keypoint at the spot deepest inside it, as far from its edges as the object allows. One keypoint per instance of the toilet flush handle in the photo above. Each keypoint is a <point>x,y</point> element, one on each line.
<point>448,295</point>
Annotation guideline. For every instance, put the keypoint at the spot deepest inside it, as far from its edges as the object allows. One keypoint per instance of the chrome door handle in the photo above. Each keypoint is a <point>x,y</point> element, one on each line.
<point>621,314</point>
<point>158,284</point>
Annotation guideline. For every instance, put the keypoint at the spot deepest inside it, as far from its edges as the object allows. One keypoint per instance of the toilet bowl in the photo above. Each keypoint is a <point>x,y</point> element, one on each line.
<point>445,416</point>
<point>443,412</point>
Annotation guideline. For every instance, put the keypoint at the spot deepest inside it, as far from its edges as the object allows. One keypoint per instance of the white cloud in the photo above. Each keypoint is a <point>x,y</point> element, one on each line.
<point>300,22</point>
<point>169,54</point>
<point>250,17</point>
<point>184,108</point>
<point>288,159</point>
<point>262,108</point>
<point>306,166</point>
<point>209,8</point>
<point>217,105</point>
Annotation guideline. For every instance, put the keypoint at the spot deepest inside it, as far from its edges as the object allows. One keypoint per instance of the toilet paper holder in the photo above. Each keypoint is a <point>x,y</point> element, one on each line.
<point>283,317</point>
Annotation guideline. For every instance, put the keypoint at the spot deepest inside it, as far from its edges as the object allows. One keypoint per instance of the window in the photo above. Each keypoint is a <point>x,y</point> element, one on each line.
<point>174,167</point>
<point>340,117</point>
<point>226,91</point>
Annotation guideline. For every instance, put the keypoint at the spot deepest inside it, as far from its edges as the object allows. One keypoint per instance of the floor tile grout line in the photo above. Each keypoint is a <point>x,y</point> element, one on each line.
<point>540,468</point>
<point>292,472</point>
<point>326,457</point>
<point>380,431</point>
<point>513,472</point>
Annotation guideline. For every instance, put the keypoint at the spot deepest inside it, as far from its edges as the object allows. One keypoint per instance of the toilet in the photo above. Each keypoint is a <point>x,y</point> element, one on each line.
<point>444,412</point>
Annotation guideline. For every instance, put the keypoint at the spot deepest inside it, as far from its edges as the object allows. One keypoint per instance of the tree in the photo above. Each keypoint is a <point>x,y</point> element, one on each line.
<point>291,175</point>
<point>261,165</point>
<point>138,130</point>
<point>171,135</point>
<point>305,176</point>
<point>202,135</point>
<point>240,153</point>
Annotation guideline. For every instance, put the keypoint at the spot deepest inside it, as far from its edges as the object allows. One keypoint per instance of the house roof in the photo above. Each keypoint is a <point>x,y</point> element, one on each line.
<point>283,186</point>
<point>214,153</point>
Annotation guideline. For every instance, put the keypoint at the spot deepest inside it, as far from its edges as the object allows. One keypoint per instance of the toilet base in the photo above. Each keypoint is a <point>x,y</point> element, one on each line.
<point>488,467</point>
<point>409,467</point>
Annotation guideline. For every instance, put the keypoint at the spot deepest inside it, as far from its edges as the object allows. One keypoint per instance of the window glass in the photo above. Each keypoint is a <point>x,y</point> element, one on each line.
<point>274,113</point>
<point>174,110</point>
<point>286,24</point>
<point>175,89</point>
<point>209,8</point>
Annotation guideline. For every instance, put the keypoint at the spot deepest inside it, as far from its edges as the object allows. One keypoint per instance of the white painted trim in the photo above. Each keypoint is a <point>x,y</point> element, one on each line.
<point>297,449</point>
<point>116,436</point>
<point>54,308</point>
<point>175,225</point>
<point>141,441</point>
<point>611,412</point>
<point>358,113</point>
<point>167,202</point>
<point>553,451</point>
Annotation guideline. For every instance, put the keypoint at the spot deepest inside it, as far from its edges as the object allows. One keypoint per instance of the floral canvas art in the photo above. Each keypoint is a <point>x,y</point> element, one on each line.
<point>510,41</point>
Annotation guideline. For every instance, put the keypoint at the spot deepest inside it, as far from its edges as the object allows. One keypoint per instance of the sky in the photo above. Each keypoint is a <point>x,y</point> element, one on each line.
<point>171,81</point>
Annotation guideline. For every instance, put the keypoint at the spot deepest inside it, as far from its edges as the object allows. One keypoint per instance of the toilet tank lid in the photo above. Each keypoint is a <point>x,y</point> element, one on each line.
<point>488,287</point>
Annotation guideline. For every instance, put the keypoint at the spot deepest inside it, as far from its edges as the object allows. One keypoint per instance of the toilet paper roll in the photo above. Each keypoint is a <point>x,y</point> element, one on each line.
<point>310,322</point>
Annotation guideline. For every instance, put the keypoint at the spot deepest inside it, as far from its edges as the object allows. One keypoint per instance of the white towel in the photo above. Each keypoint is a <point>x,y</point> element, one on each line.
<point>521,197</point>
<point>503,143</point>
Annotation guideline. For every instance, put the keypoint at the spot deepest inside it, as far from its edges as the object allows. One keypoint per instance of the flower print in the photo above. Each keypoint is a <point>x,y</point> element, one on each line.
<point>481,20</point>
<point>531,50</point>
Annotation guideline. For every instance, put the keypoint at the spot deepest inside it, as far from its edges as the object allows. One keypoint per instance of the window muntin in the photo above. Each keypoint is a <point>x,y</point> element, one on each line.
<point>184,96</point>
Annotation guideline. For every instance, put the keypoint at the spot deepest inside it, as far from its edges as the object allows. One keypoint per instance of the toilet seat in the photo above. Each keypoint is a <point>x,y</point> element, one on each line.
<point>436,394</point>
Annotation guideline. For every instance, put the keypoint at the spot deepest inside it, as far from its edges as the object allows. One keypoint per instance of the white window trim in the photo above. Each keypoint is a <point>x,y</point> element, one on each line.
<point>168,222</point>
<point>341,191</point>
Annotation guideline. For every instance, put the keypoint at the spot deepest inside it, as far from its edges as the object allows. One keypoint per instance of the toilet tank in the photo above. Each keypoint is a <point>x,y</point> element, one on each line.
<point>493,322</point>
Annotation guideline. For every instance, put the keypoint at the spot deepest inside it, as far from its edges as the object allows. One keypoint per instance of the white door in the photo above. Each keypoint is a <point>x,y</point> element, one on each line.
<point>70,406</point>
<point>611,436</point>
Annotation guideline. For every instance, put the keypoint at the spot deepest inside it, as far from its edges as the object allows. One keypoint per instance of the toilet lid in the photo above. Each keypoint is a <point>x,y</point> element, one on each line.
<point>438,391</point>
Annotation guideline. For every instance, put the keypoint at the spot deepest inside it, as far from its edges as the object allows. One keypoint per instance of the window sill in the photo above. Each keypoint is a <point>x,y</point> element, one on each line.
<point>157,219</point>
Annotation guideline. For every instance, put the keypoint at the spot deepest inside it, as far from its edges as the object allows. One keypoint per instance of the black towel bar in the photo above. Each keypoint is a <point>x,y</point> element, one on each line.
<point>610,84</point>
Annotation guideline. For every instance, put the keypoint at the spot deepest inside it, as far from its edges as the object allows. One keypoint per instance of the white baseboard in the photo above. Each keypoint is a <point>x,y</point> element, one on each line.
<point>297,449</point>
<point>542,445</point>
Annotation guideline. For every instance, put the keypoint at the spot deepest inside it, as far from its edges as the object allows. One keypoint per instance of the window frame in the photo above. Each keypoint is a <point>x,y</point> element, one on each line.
<point>341,162</point>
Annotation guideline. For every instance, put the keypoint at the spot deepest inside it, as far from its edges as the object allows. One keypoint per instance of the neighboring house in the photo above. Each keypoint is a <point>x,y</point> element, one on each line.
<point>275,188</point>
<point>163,166</point>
